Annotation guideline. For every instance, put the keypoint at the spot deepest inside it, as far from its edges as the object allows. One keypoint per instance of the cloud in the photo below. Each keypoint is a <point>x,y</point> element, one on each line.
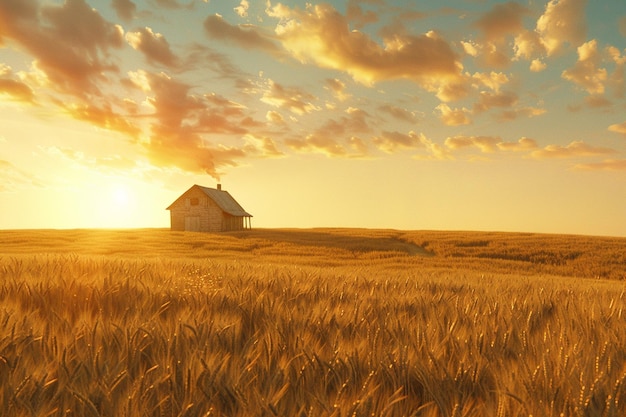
<point>274,117</point>
<point>337,87</point>
<point>125,9</point>
<point>321,35</point>
<point>356,15</point>
<point>617,80</point>
<point>16,89</point>
<point>618,128</point>
<point>104,117</point>
<point>522,145</point>
<point>527,112</point>
<point>261,146</point>
<point>597,101</point>
<point>154,46</point>
<point>537,65</point>
<point>320,144</point>
<point>562,22</point>
<point>503,19</point>
<point>13,178</point>
<point>335,137</point>
<point>585,72</point>
<point>398,113</point>
<point>492,80</point>
<point>606,165</point>
<point>112,164</point>
<point>527,44</point>
<point>391,142</point>
<point>454,117</point>
<point>487,144</point>
<point>244,36</point>
<point>70,43</point>
<point>574,150</point>
<point>293,99</point>
<point>173,4</point>
<point>242,9</point>
<point>181,122</point>
<point>489,100</point>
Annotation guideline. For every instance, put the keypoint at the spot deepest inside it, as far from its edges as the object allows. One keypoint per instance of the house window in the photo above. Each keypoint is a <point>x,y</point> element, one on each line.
<point>194,201</point>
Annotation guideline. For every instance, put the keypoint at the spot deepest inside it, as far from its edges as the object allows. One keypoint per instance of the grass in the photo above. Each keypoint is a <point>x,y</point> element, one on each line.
<point>316,322</point>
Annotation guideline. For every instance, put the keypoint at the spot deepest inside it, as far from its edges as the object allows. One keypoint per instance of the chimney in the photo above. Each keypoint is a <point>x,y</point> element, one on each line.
<point>219,186</point>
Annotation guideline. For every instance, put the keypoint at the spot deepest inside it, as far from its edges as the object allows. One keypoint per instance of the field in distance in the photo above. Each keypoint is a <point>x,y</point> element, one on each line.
<point>311,322</point>
<point>483,252</point>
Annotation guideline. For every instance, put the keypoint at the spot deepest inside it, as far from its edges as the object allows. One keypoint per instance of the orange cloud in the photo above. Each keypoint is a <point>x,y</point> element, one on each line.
<point>606,165</point>
<point>338,88</point>
<point>454,117</point>
<point>391,142</point>
<point>336,136</point>
<point>562,22</point>
<point>321,35</point>
<point>261,146</point>
<point>487,144</point>
<point>13,178</point>
<point>503,19</point>
<point>618,128</point>
<point>573,150</point>
<point>523,144</point>
<point>245,36</point>
<point>125,9</point>
<point>181,120</point>
<point>398,112</point>
<point>490,100</point>
<point>585,72</point>
<point>356,15</point>
<point>69,43</point>
<point>104,117</point>
<point>154,46</point>
<point>321,144</point>
<point>16,90</point>
<point>293,99</point>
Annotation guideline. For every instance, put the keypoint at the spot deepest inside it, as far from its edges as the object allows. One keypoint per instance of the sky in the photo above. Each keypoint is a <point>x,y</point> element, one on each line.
<point>413,115</point>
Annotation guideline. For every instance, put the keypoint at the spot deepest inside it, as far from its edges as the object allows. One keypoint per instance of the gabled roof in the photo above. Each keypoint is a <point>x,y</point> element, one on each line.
<point>223,200</point>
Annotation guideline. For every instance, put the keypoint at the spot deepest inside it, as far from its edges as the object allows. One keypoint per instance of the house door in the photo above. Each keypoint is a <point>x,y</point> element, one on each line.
<point>192,224</point>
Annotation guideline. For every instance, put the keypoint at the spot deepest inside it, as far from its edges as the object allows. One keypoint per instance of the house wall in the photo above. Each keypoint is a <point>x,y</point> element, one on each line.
<point>195,204</point>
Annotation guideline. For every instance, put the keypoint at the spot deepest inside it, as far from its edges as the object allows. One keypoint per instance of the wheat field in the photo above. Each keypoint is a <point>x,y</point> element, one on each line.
<point>311,322</point>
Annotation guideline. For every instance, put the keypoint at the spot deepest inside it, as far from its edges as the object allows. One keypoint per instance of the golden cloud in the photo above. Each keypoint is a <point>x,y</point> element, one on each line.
<point>391,142</point>
<point>13,178</point>
<point>574,150</point>
<point>154,46</point>
<point>125,9</point>
<point>321,35</point>
<point>454,117</point>
<point>585,72</point>
<point>503,19</point>
<point>563,21</point>
<point>293,99</point>
<point>245,36</point>
<point>618,128</point>
<point>606,165</point>
<point>487,144</point>
<point>523,144</point>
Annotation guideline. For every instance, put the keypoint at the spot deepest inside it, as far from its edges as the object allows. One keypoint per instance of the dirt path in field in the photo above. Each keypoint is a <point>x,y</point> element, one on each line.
<point>337,238</point>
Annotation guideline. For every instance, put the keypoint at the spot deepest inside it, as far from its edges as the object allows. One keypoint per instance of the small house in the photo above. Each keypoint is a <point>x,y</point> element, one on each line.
<point>203,209</point>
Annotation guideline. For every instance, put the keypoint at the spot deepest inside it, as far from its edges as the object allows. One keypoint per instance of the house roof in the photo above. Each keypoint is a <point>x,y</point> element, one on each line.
<point>222,198</point>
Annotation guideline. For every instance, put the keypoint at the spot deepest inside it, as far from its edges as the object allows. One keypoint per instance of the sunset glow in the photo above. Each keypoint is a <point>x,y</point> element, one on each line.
<point>459,115</point>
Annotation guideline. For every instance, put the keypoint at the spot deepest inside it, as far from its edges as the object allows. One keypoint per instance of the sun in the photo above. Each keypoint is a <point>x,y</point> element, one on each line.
<point>120,196</point>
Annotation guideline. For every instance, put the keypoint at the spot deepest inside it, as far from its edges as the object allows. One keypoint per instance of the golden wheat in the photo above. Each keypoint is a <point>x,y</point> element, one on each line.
<point>304,323</point>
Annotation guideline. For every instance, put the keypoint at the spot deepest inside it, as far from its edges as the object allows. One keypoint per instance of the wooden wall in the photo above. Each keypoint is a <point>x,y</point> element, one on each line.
<point>195,211</point>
